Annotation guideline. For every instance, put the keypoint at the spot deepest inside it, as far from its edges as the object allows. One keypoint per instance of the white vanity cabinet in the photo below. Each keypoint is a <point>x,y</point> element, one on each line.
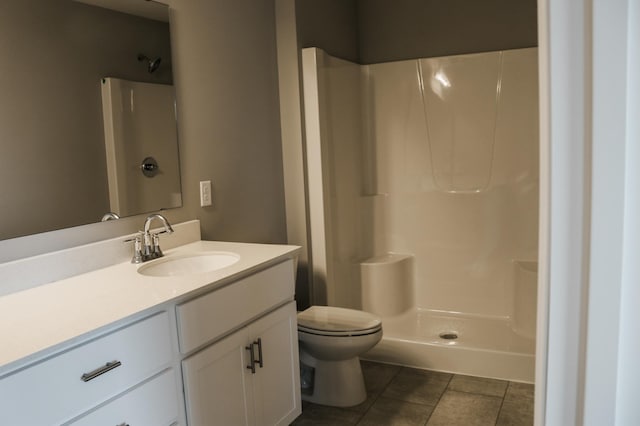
<point>250,377</point>
<point>116,347</point>
<point>66,385</point>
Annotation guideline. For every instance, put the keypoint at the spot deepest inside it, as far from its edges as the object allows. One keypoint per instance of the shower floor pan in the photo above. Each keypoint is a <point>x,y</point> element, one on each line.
<point>470,344</point>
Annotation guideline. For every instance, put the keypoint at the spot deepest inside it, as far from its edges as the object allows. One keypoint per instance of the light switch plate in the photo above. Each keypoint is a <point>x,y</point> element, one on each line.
<point>205,193</point>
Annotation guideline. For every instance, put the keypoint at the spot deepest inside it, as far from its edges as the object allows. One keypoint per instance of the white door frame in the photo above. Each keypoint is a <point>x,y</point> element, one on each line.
<point>588,229</point>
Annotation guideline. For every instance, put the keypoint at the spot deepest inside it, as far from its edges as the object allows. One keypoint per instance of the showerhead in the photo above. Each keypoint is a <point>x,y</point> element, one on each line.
<point>152,64</point>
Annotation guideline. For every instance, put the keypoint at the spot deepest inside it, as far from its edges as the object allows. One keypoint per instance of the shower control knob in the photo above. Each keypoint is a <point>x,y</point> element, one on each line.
<point>149,167</point>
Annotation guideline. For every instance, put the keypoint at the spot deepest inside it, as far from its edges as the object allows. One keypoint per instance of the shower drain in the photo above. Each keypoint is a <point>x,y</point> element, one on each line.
<point>448,335</point>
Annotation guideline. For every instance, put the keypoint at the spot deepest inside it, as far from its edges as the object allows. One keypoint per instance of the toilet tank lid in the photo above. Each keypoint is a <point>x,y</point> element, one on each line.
<point>330,318</point>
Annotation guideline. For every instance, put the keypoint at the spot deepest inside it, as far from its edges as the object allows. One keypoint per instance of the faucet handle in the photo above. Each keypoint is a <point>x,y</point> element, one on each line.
<point>137,248</point>
<point>157,252</point>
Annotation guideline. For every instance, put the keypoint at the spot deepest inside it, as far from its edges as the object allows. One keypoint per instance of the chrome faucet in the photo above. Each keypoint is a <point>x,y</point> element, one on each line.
<point>152,241</point>
<point>146,243</point>
<point>109,216</point>
<point>147,223</point>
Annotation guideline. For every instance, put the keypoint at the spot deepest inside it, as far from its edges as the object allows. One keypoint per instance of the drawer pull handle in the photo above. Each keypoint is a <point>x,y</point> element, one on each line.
<point>252,359</point>
<point>259,343</point>
<point>98,371</point>
<point>123,424</point>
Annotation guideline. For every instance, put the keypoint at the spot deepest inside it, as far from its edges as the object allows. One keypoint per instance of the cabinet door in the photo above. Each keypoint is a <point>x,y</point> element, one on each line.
<point>277,384</point>
<point>218,384</point>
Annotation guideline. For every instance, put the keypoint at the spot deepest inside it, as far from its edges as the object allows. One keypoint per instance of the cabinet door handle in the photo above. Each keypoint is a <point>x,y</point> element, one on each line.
<point>101,370</point>
<point>252,359</point>
<point>123,424</point>
<point>259,343</point>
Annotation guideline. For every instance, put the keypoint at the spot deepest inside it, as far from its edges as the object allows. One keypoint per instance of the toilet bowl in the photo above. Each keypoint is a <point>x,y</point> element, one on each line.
<point>331,340</point>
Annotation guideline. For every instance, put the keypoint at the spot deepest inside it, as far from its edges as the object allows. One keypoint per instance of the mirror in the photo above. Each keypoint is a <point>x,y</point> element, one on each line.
<point>56,56</point>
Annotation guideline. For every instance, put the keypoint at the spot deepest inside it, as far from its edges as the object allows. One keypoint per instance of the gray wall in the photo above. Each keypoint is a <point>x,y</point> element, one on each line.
<point>404,29</point>
<point>52,155</point>
<point>329,24</point>
<point>373,31</point>
<point>226,77</point>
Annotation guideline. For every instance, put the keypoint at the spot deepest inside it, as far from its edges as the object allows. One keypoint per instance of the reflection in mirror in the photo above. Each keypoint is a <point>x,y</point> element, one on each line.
<point>141,146</point>
<point>53,156</point>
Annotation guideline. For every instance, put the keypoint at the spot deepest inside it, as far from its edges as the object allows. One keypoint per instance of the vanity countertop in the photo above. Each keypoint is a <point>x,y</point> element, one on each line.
<point>36,321</point>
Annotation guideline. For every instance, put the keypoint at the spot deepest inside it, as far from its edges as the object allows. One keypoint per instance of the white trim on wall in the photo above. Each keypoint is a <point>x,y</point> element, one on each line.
<point>542,320</point>
<point>564,196</point>
<point>627,409</point>
<point>608,128</point>
<point>586,367</point>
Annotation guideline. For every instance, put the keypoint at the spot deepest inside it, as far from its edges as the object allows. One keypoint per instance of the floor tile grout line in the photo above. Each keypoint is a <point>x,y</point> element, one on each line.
<point>475,393</point>
<point>439,399</point>
<point>407,402</point>
<point>396,374</point>
<point>502,404</point>
<point>364,413</point>
<point>378,396</point>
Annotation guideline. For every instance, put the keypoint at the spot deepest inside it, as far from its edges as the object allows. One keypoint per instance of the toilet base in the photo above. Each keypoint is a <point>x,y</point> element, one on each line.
<point>336,383</point>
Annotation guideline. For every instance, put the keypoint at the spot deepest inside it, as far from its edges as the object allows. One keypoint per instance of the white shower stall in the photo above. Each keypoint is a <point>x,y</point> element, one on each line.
<point>423,204</point>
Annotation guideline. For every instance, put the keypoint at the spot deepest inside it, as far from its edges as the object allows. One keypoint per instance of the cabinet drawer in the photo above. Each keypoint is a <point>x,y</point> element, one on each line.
<point>214,314</point>
<point>154,403</point>
<point>53,391</point>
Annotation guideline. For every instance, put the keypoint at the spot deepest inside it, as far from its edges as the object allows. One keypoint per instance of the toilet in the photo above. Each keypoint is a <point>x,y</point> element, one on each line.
<point>331,340</point>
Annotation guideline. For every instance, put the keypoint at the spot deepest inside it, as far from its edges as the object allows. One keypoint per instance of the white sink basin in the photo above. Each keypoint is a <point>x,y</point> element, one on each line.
<point>188,264</point>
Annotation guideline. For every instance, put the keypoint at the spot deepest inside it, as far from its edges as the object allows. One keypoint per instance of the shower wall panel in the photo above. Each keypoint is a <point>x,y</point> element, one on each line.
<point>465,238</point>
<point>333,121</point>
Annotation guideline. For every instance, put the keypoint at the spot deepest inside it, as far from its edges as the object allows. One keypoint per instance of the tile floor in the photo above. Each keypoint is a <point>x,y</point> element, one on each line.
<point>406,396</point>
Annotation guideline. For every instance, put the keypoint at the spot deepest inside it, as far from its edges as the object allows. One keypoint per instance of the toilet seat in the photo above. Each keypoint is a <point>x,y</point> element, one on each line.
<point>339,322</point>
<point>339,333</point>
